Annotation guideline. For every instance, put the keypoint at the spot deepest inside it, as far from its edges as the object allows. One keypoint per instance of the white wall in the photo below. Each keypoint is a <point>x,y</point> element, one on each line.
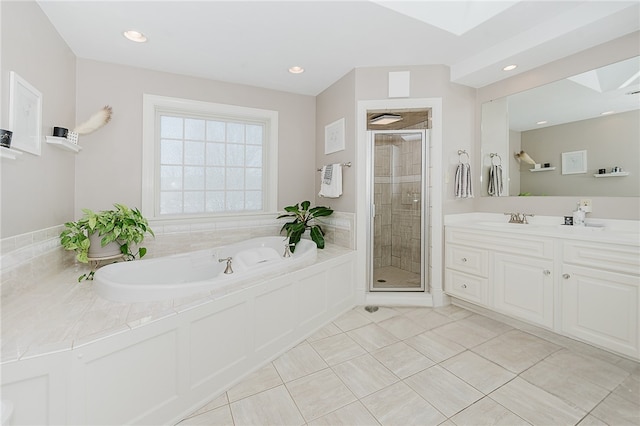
<point>37,191</point>
<point>458,115</point>
<point>603,207</point>
<point>336,102</point>
<point>430,81</point>
<point>109,168</point>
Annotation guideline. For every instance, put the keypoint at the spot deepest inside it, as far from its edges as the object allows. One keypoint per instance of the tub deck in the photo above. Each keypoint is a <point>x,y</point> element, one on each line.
<point>60,313</point>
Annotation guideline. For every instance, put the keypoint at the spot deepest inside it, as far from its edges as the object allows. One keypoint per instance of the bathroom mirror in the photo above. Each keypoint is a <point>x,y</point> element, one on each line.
<point>597,111</point>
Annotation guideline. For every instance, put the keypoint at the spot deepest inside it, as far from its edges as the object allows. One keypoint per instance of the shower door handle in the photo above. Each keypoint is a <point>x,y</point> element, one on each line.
<point>373,210</point>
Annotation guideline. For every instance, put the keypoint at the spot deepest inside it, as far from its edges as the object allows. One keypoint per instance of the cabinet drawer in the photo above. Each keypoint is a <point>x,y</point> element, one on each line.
<point>467,287</point>
<point>467,259</point>
<point>612,257</point>
<point>500,241</point>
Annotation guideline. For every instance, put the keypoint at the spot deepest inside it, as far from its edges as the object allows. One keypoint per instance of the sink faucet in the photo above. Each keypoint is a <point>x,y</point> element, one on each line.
<point>518,217</point>
<point>228,269</point>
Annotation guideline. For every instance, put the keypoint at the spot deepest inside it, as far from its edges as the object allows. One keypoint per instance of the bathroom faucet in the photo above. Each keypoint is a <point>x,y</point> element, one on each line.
<point>228,269</point>
<point>518,217</point>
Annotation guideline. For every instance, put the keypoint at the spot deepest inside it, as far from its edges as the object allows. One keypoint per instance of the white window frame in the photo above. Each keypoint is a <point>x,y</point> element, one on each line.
<point>151,158</point>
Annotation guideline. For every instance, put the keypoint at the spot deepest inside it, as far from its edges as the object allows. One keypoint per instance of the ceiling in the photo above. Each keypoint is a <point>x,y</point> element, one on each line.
<point>255,42</point>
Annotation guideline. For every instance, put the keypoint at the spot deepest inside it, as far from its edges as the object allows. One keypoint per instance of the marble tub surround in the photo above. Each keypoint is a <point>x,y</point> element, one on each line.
<point>59,313</point>
<point>432,366</point>
<point>26,258</point>
<point>171,238</point>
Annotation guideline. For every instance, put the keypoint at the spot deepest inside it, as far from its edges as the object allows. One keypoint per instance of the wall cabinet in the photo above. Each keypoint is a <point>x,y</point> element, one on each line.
<point>591,288</point>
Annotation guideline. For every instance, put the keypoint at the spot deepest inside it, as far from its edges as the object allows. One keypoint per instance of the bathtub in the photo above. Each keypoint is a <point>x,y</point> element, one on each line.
<point>184,275</point>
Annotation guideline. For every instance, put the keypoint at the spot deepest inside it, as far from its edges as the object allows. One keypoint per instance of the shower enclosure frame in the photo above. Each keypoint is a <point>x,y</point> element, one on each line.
<point>435,295</point>
<point>424,210</point>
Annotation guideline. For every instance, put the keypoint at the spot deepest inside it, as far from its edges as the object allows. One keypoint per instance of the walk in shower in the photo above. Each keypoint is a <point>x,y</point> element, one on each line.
<point>399,230</point>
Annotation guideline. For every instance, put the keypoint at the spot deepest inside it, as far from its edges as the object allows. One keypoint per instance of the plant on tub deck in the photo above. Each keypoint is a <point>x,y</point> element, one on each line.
<point>303,219</point>
<point>123,226</point>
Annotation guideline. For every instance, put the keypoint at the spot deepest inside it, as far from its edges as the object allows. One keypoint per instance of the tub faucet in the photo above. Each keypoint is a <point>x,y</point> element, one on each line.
<point>228,269</point>
<point>287,250</point>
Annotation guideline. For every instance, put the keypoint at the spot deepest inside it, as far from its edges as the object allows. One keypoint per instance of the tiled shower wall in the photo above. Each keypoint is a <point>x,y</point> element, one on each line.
<point>397,196</point>
<point>27,258</point>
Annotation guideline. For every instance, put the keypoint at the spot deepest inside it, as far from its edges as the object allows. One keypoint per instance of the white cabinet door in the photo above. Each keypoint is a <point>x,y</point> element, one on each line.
<point>523,288</point>
<point>601,307</point>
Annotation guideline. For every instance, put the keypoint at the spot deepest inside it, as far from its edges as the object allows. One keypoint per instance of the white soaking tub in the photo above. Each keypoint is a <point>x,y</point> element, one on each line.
<point>183,275</point>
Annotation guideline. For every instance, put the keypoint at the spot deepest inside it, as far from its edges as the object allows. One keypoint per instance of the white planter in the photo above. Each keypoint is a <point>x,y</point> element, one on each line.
<point>97,251</point>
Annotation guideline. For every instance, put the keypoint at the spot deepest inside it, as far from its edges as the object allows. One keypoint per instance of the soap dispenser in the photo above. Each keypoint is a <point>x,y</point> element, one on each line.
<point>578,216</point>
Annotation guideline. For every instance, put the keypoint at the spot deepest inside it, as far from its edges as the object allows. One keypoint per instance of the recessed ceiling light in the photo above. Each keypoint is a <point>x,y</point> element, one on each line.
<point>296,70</point>
<point>542,122</point>
<point>607,113</point>
<point>509,67</point>
<point>385,119</point>
<point>136,36</point>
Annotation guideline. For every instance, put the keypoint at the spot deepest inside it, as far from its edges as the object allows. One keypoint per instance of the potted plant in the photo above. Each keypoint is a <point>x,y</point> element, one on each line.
<point>303,219</point>
<point>121,227</point>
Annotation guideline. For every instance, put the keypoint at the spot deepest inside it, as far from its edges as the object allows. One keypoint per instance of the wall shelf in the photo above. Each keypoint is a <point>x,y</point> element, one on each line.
<point>542,169</point>
<point>9,153</point>
<point>63,143</point>
<point>617,174</point>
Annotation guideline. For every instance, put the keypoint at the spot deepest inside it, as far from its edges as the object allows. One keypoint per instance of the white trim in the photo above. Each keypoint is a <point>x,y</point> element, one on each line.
<point>151,103</point>
<point>362,181</point>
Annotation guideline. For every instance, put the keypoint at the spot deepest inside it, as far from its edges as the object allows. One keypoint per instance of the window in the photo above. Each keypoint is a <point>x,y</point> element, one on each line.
<point>204,159</point>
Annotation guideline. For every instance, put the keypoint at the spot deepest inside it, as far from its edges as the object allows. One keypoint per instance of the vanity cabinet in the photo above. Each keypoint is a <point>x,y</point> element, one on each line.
<point>523,287</point>
<point>466,273</point>
<point>509,275</point>
<point>575,286</point>
<point>600,290</point>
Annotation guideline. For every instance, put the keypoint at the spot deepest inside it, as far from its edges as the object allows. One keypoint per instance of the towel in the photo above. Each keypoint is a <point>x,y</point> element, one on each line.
<point>331,181</point>
<point>495,180</point>
<point>463,181</point>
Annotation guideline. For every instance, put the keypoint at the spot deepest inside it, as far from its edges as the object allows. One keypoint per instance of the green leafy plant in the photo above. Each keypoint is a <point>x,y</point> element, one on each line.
<point>303,219</point>
<point>126,226</point>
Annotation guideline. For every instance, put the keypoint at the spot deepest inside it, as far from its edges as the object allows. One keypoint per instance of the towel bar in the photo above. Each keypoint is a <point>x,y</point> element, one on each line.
<point>347,164</point>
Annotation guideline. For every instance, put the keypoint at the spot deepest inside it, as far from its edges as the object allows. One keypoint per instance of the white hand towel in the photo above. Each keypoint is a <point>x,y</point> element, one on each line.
<point>331,181</point>
<point>463,181</point>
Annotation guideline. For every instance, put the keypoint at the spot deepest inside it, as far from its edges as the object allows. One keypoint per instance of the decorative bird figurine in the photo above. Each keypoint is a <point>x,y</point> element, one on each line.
<point>95,122</point>
<point>523,156</point>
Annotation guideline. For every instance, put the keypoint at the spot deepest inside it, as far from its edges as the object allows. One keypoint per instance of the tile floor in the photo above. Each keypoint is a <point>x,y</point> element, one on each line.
<point>424,366</point>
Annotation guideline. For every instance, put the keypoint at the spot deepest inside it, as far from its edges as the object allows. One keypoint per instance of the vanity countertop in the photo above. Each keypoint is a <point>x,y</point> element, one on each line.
<point>625,232</point>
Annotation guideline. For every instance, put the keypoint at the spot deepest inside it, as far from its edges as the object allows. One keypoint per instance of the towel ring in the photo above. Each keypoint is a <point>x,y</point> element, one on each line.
<point>493,155</point>
<point>462,152</point>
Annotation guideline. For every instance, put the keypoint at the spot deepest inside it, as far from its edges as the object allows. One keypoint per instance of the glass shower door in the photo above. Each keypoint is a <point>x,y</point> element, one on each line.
<point>398,234</point>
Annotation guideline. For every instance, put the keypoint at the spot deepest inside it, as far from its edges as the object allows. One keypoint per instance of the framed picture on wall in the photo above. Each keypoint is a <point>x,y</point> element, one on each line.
<point>25,114</point>
<point>334,136</point>
<point>574,162</point>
